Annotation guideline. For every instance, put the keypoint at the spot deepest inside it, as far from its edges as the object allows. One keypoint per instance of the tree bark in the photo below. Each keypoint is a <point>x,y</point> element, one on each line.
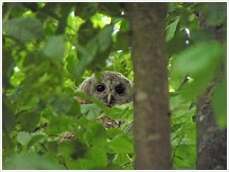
<point>211,141</point>
<point>151,98</point>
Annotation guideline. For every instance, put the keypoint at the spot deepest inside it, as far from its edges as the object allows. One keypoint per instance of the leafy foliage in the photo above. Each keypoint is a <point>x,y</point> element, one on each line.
<point>196,58</point>
<point>49,48</point>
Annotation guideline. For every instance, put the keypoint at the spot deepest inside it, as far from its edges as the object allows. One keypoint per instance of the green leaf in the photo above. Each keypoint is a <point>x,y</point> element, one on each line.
<point>98,20</point>
<point>177,43</point>
<point>23,29</point>
<point>71,63</point>
<point>74,149</point>
<point>91,111</point>
<point>93,154</point>
<point>104,38</point>
<point>171,29</point>
<point>198,58</point>
<point>124,161</point>
<point>199,62</point>
<point>86,57</point>
<point>121,144</point>
<point>185,157</point>
<point>219,103</point>
<point>79,164</point>
<point>7,142</point>
<point>125,25</point>
<point>29,120</point>
<point>31,161</point>
<point>96,133</point>
<point>62,104</point>
<point>120,112</point>
<point>92,99</point>
<point>122,42</point>
<point>214,13</point>
<point>86,10</point>
<point>95,51</point>
<point>86,33</point>
<point>113,132</point>
<point>111,8</point>
<point>8,118</point>
<point>59,124</point>
<point>55,47</point>
<point>36,138</point>
<point>95,158</point>
<point>23,138</point>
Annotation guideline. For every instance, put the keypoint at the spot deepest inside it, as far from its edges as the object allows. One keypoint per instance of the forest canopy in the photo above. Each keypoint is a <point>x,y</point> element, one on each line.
<point>48,49</point>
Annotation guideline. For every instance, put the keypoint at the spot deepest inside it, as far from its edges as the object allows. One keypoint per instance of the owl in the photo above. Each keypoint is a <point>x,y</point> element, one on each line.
<point>112,89</point>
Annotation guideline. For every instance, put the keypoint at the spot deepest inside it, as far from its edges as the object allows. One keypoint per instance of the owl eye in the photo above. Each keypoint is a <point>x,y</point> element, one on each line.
<point>100,87</point>
<point>119,89</point>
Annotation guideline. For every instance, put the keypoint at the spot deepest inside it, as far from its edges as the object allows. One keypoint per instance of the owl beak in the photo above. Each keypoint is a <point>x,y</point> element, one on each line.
<point>109,97</point>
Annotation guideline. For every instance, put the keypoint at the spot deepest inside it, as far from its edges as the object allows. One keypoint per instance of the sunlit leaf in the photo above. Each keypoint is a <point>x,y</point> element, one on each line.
<point>23,138</point>
<point>100,20</point>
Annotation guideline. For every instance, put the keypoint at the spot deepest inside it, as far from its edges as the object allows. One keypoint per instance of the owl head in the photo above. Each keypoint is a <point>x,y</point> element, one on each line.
<point>112,89</point>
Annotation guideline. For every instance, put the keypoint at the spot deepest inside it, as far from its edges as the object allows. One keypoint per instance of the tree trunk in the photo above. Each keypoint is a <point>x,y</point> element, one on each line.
<point>211,141</point>
<point>151,98</point>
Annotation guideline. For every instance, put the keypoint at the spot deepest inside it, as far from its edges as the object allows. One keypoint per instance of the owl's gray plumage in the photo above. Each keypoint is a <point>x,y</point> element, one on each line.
<point>114,88</point>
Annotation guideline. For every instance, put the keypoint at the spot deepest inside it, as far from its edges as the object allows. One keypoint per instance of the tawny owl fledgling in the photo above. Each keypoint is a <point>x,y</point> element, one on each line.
<point>114,88</point>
